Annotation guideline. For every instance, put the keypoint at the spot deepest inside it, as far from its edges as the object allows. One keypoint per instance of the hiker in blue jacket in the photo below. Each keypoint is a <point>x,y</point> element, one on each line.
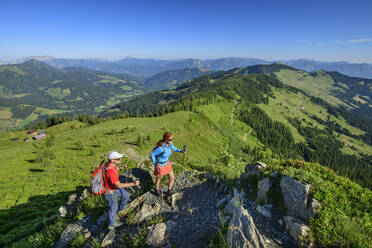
<point>160,157</point>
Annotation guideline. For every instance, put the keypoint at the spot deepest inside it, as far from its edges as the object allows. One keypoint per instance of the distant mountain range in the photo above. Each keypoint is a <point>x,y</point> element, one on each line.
<point>150,67</point>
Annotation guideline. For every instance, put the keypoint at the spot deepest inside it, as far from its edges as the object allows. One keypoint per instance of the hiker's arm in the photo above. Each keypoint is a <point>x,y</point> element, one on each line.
<point>125,185</point>
<point>175,148</point>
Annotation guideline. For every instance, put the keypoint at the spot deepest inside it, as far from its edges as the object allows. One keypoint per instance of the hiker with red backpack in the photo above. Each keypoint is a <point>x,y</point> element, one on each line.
<point>115,189</point>
<point>160,157</point>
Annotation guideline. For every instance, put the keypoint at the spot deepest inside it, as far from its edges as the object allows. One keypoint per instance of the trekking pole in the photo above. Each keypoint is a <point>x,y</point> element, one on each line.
<point>183,160</point>
<point>138,208</point>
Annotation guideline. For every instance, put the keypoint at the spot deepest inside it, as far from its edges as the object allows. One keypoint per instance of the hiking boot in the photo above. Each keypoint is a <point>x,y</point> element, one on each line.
<point>115,225</point>
<point>170,192</point>
<point>158,193</point>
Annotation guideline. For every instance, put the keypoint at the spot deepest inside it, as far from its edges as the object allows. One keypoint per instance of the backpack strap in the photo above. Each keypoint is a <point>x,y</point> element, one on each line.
<point>103,176</point>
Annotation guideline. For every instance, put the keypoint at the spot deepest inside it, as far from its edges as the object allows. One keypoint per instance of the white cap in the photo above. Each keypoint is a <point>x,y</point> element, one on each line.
<point>114,155</point>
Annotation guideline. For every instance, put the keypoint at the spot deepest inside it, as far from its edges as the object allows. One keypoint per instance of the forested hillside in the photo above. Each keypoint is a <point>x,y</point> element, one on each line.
<point>168,79</point>
<point>34,89</point>
<point>351,93</point>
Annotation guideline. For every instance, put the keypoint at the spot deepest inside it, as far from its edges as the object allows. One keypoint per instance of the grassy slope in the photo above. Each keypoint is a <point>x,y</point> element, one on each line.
<point>7,120</point>
<point>32,196</point>
<point>319,86</point>
<point>286,105</point>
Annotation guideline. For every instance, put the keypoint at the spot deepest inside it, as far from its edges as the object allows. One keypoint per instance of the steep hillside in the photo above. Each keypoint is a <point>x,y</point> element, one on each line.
<point>32,89</point>
<point>352,93</point>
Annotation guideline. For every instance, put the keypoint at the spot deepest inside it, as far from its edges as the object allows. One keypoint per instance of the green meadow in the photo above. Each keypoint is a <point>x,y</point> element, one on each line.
<point>33,190</point>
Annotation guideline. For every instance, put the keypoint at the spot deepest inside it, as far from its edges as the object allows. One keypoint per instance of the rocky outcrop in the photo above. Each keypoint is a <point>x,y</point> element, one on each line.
<point>147,211</point>
<point>253,170</point>
<point>263,211</point>
<point>263,187</point>
<point>242,232</point>
<point>233,203</point>
<point>298,230</point>
<point>109,238</point>
<point>71,231</point>
<point>297,198</point>
<point>71,206</point>
<point>156,236</point>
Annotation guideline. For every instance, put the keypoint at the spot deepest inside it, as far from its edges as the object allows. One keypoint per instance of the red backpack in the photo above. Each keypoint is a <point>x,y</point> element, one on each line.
<point>97,184</point>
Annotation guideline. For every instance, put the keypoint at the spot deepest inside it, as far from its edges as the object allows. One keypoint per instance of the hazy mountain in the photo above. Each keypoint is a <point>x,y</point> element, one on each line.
<point>150,67</point>
<point>217,64</point>
<point>351,69</point>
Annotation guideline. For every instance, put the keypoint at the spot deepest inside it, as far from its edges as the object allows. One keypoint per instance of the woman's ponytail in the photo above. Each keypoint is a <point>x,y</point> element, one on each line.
<point>166,136</point>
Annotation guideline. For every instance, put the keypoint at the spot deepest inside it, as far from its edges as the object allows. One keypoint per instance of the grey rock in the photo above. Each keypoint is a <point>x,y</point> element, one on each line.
<point>72,199</point>
<point>263,187</point>
<point>242,232</point>
<point>226,219</point>
<point>313,208</point>
<point>233,203</point>
<point>156,235</point>
<point>280,222</point>
<point>70,232</point>
<point>221,202</point>
<point>86,233</point>
<point>278,241</point>
<point>296,197</point>
<point>133,204</point>
<point>109,238</point>
<point>243,194</point>
<point>174,198</point>
<point>263,211</point>
<point>62,211</point>
<point>274,174</point>
<point>236,192</point>
<point>85,193</point>
<point>217,183</point>
<point>147,211</point>
<point>253,170</point>
<point>209,176</point>
<point>298,230</point>
<point>268,206</point>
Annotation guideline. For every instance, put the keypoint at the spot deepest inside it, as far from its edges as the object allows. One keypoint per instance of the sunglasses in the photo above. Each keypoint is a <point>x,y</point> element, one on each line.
<point>170,139</point>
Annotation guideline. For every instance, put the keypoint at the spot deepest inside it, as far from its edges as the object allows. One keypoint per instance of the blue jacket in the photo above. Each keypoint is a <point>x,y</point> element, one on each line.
<point>162,153</point>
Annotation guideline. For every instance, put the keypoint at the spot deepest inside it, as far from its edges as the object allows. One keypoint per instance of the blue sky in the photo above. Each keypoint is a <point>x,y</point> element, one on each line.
<point>321,30</point>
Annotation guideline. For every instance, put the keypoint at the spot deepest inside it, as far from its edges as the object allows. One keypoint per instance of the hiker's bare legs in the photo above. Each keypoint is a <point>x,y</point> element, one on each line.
<point>157,182</point>
<point>171,180</point>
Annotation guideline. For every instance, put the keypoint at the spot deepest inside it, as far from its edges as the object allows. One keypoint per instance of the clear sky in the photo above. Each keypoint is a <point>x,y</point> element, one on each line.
<point>330,30</point>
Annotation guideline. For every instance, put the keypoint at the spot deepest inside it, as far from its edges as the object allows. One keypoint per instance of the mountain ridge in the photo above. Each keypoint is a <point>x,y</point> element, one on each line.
<point>148,67</point>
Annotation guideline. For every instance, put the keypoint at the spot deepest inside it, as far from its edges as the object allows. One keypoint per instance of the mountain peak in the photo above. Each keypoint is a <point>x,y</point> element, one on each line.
<point>35,62</point>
